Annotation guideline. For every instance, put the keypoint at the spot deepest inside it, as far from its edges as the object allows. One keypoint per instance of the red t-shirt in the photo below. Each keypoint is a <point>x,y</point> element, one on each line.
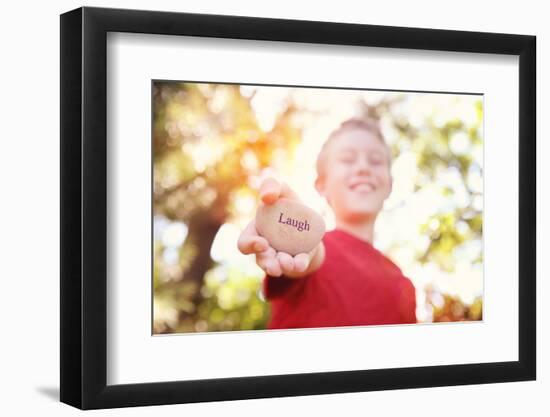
<point>355,286</point>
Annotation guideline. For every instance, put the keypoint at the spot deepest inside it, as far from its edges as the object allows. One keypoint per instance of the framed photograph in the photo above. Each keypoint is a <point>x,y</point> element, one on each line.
<point>257,208</point>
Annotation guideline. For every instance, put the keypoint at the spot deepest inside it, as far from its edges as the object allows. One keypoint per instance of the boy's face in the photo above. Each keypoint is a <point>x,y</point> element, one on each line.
<point>357,177</point>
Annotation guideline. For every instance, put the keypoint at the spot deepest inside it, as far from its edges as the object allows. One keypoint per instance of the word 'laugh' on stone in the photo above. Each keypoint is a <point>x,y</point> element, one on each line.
<point>294,223</point>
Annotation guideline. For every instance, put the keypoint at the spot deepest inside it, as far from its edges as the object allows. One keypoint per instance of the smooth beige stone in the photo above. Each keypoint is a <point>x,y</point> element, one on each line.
<point>289,226</point>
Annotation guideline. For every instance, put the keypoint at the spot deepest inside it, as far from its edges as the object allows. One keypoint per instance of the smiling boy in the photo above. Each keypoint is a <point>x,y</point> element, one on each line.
<point>344,281</point>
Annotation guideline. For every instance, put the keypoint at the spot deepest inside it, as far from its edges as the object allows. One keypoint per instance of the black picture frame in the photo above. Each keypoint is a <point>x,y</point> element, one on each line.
<point>83,289</point>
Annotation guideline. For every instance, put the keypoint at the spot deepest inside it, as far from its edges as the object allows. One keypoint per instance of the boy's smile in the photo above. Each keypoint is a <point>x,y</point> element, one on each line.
<point>362,186</point>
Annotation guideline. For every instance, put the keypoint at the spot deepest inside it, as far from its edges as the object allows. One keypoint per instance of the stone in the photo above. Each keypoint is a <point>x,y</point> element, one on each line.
<point>289,226</point>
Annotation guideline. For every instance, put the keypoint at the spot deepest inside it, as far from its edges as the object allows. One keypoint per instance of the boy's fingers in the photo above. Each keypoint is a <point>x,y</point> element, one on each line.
<point>271,267</point>
<point>274,269</point>
<point>270,190</point>
<point>288,192</point>
<point>250,242</point>
<point>267,260</point>
<point>264,256</point>
<point>301,262</point>
<point>258,244</point>
<point>286,262</point>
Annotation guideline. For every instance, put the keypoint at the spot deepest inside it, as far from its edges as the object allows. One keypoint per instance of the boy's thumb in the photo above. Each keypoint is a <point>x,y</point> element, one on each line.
<point>270,190</point>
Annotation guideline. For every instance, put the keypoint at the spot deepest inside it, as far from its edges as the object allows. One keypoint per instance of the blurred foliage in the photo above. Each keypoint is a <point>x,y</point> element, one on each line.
<point>208,148</point>
<point>447,308</point>
<point>432,145</point>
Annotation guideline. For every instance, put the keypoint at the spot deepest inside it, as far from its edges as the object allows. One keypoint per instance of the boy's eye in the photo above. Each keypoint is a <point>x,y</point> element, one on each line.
<point>376,159</point>
<point>346,158</point>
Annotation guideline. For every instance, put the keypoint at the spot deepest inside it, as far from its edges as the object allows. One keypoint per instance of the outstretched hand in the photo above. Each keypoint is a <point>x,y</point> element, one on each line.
<point>276,263</point>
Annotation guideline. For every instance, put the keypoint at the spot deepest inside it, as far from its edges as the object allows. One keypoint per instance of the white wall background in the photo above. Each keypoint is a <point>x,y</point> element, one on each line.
<point>29,213</point>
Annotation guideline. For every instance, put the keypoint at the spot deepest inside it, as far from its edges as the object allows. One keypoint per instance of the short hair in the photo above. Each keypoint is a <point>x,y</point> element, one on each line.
<point>370,125</point>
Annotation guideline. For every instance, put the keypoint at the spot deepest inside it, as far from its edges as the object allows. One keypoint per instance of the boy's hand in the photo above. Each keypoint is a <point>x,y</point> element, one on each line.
<point>272,262</point>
